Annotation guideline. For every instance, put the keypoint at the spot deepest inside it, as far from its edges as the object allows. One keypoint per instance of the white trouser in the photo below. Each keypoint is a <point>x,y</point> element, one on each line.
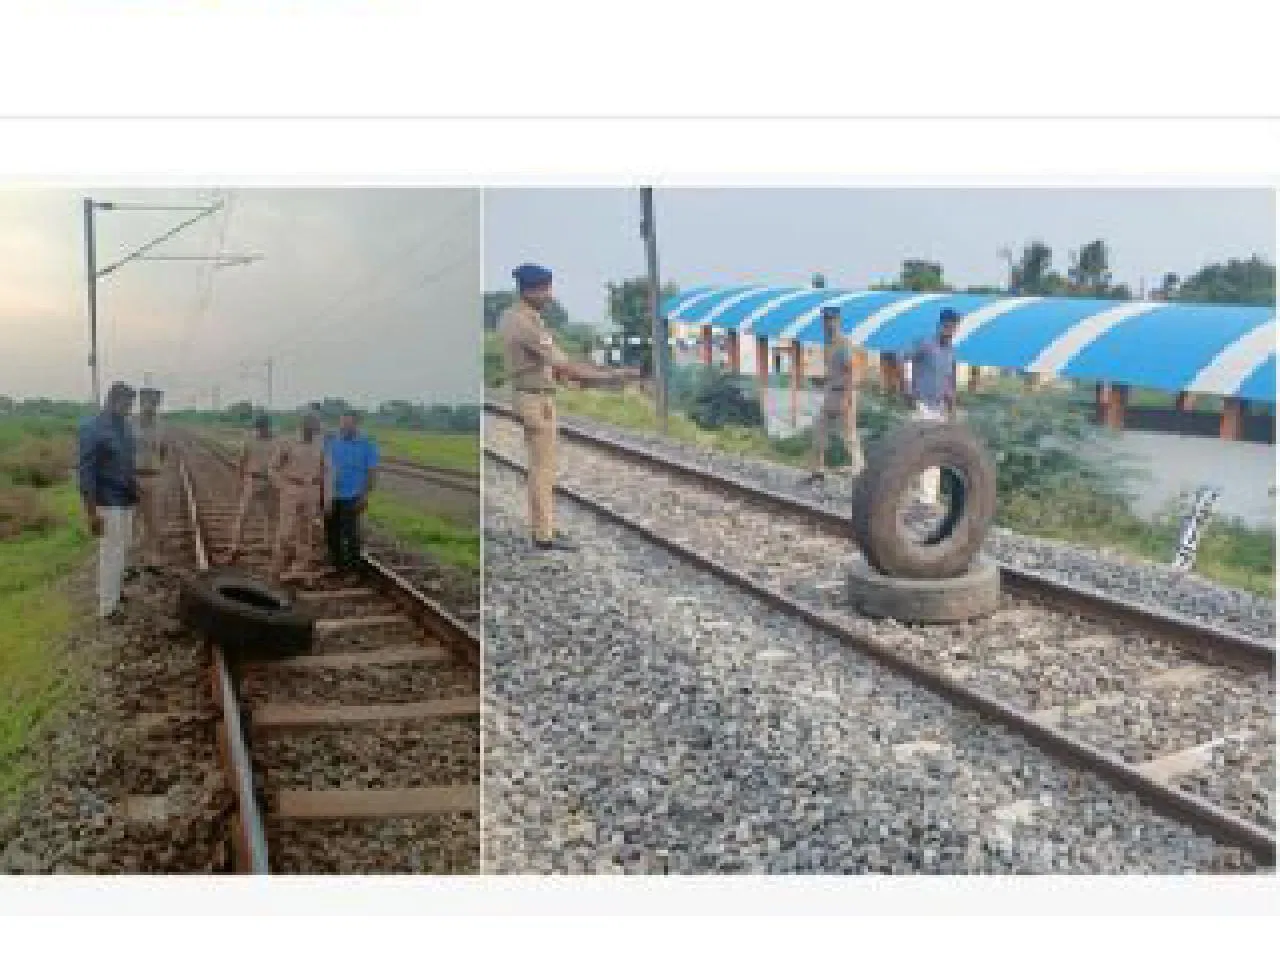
<point>930,479</point>
<point>117,535</point>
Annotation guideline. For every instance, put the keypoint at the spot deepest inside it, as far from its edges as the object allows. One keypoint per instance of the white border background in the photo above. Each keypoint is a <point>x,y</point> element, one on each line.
<point>661,59</point>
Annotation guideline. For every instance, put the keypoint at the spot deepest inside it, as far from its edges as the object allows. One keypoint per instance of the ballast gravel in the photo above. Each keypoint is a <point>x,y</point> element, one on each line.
<point>644,717</point>
<point>1188,594</point>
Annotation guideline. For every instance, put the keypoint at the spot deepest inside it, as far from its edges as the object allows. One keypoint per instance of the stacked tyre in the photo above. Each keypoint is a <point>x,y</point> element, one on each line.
<point>944,577</point>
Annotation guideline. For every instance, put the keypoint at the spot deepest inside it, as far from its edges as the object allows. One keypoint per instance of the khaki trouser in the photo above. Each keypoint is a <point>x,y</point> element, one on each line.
<point>296,536</point>
<point>253,490</point>
<point>148,517</point>
<point>117,533</point>
<point>838,417</point>
<point>537,412</point>
<point>930,479</point>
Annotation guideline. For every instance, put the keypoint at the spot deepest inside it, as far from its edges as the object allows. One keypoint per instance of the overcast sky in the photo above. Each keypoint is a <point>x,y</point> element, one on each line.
<point>369,294</point>
<point>859,236</point>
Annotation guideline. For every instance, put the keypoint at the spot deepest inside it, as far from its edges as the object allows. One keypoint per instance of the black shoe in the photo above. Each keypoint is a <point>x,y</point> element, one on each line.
<point>558,542</point>
<point>818,476</point>
<point>115,617</point>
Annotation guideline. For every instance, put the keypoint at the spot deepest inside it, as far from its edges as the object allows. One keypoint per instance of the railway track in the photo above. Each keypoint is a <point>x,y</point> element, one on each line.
<point>364,755</point>
<point>454,479</point>
<point>1178,712</point>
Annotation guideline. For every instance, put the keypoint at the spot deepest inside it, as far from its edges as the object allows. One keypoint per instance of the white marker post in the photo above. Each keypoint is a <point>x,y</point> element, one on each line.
<point>1184,557</point>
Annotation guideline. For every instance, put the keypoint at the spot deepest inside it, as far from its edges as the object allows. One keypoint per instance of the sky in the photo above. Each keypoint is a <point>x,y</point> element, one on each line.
<point>858,236</point>
<point>367,294</point>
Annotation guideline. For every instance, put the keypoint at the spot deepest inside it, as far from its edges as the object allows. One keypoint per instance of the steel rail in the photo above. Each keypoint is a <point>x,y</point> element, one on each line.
<point>436,476</point>
<point>251,837</point>
<point>1205,641</point>
<point>434,617</point>
<point>1222,825</point>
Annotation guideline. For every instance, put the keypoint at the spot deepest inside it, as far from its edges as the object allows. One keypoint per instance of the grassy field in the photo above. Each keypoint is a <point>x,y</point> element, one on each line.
<point>447,541</point>
<point>458,451</point>
<point>1229,553</point>
<point>45,540</point>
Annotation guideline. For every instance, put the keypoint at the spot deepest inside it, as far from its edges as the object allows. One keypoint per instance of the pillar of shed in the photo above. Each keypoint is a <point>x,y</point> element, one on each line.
<point>975,379</point>
<point>1185,402</point>
<point>762,376</point>
<point>1231,426</point>
<point>1113,401</point>
<point>706,345</point>
<point>735,356</point>
<point>797,374</point>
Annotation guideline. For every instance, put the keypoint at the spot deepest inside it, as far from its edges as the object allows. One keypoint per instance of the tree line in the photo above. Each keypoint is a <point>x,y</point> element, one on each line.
<point>1088,274</point>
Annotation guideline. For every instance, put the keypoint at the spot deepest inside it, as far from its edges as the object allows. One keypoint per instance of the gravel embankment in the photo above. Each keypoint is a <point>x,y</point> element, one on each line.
<point>1187,594</point>
<point>1131,696</point>
<point>644,717</point>
<point>118,793</point>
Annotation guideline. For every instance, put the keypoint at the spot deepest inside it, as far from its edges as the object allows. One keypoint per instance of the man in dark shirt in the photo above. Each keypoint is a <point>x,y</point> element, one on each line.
<point>109,490</point>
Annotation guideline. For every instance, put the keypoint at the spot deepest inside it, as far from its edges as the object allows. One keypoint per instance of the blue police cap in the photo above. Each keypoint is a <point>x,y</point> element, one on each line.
<point>530,276</point>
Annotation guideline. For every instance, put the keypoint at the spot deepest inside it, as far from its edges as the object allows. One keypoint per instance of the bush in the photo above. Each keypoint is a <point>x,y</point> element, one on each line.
<point>21,511</point>
<point>495,374</point>
<point>37,462</point>
<point>720,399</point>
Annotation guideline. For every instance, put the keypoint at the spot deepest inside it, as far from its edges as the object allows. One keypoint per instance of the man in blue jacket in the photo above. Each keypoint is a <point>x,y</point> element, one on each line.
<point>351,458</point>
<point>108,481</point>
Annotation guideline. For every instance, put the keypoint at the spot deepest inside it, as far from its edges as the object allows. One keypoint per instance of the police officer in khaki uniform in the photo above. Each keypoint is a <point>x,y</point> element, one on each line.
<point>152,452</point>
<point>255,487</point>
<point>533,362</point>
<point>838,416</point>
<point>297,470</point>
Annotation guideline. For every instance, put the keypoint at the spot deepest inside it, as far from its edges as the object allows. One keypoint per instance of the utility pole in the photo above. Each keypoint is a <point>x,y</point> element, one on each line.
<point>215,397</point>
<point>91,274</point>
<point>94,274</point>
<point>660,353</point>
<point>268,384</point>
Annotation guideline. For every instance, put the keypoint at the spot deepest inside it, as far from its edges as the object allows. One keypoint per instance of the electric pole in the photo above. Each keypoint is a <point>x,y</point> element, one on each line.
<point>93,274</point>
<point>215,398</point>
<point>268,384</point>
<point>660,353</point>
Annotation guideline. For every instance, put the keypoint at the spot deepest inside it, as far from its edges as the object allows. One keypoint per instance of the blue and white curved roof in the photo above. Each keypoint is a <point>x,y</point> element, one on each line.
<point>1218,349</point>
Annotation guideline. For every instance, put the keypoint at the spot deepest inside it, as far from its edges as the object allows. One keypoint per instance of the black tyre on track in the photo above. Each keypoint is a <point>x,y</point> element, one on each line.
<point>892,466</point>
<point>247,616</point>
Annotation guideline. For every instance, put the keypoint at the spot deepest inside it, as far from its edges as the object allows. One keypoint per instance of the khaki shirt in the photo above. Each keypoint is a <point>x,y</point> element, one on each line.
<point>840,370</point>
<point>151,448</point>
<point>297,463</point>
<point>256,455</point>
<point>530,349</point>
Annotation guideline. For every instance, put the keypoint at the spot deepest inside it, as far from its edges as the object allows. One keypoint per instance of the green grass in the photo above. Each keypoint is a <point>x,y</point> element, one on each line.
<point>460,451</point>
<point>1230,553</point>
<point>636,412</point>
<point>35,615</point>
<point>446,540</point>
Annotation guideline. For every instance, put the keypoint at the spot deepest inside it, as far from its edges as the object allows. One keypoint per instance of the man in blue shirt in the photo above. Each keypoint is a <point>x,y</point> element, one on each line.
<point>108,482</point>
<point>351,459</point>
<point>933,389</point>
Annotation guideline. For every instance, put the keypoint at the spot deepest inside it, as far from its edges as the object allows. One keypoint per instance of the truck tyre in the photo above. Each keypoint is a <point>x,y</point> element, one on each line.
<point>892,467</point>
<point>245,615</point>
<point>975,593</point>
